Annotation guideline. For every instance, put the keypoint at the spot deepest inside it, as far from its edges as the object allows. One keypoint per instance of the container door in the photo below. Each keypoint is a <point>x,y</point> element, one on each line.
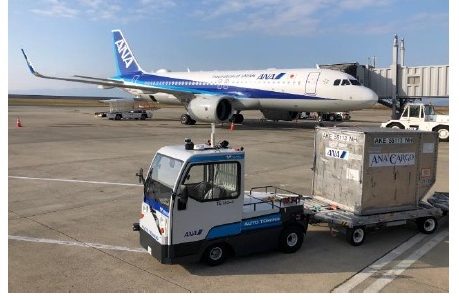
<point>311,82</point>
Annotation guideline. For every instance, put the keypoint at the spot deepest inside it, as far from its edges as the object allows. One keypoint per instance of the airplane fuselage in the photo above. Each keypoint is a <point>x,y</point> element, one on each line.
<point>279,89</point>
<point>219,96</point>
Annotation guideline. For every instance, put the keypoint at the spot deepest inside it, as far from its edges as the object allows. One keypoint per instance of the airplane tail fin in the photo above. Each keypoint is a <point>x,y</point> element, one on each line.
<point>124,59</point>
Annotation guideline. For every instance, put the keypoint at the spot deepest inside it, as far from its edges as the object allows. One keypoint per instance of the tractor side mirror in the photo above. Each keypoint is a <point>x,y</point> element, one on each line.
<point>140,175</point>
<point>182,197</point>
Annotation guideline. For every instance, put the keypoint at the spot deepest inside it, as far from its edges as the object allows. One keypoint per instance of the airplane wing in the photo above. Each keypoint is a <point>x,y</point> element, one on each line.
<point>97,78</point>
<point>183,96</point>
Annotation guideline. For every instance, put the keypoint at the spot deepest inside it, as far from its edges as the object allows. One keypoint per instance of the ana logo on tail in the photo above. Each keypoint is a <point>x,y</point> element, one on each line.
<point>124,52</point>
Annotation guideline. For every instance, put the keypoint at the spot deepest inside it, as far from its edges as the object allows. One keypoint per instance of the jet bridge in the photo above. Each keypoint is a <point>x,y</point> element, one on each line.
<point>399,83</point>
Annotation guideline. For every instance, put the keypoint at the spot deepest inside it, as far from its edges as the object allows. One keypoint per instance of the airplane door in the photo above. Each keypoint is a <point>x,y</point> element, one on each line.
<point>311,82</point>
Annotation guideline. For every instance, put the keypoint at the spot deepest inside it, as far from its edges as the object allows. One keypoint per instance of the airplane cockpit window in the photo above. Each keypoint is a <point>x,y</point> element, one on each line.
<point>337,82</point>
<point>355,82</point>
<point>345,82</point>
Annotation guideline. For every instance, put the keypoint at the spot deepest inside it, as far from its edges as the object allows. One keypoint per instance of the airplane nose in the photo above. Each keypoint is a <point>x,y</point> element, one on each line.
<point>373,95</point>
<point>368,95</point>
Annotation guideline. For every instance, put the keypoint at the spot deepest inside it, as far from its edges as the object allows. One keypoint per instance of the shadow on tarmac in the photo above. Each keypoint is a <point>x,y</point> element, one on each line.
<point>321,253</point>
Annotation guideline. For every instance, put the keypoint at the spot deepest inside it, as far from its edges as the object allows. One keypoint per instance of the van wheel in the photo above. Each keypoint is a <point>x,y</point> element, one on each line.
<point>396,126</point>
<point>427,225</point>
<point>215,254</point>
<point>355,236</point>
<point>443,133</point>
<point>291,239</point>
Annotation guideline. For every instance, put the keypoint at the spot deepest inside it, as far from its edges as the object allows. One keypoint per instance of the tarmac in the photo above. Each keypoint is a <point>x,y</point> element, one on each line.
<point>73,196</point>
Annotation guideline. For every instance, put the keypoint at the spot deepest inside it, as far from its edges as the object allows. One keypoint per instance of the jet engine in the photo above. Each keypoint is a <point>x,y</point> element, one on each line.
<point>282,115</point>
<point>210,109</point>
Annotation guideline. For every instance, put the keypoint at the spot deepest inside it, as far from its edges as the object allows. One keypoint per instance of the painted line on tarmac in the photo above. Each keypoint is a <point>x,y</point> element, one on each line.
<point>74,181</point>
<point>378,265</point>
<point>73,243</point>
<point>392,274</point>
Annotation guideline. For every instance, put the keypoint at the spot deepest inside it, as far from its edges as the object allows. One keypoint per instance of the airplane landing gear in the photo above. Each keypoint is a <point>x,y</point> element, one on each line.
<point>185,119</point>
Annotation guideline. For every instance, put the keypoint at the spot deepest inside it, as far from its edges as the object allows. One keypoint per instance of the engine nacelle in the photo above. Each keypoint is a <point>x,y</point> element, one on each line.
<point>282,115</point>
<point>210,109</point>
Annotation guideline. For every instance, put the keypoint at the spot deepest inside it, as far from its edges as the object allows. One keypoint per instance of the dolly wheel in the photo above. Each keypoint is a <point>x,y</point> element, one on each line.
<point>427,225</point>
<point>355,236</point>
<point>215,254</point>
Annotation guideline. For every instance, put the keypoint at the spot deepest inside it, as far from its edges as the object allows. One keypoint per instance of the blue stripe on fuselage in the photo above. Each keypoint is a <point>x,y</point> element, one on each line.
<point>190,86</point>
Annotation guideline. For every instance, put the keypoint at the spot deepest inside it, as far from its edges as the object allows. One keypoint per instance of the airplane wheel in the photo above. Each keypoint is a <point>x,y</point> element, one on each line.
<point>185,119</point>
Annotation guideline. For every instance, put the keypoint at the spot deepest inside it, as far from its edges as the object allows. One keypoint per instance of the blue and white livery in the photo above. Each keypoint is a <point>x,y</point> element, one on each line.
<point>219,96</point>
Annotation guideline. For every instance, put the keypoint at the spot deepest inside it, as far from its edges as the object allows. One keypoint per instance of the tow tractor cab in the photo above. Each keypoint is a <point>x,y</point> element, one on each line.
<point>194,207</point>
<point>419,116</point>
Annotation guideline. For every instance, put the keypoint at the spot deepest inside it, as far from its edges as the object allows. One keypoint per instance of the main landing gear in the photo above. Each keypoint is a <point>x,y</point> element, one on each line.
<point>185,119</point>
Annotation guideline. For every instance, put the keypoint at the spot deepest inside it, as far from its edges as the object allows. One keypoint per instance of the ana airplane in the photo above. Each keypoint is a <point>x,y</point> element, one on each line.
<point>219,96</point>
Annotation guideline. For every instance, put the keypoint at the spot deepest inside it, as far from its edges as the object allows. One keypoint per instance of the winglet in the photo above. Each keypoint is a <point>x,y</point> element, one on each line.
<point>29,64</point>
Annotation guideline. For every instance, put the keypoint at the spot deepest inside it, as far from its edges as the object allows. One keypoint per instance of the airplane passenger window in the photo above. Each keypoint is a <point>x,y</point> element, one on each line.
<point>345,82</point>
<point>355,82</point>
<point>337,82</point>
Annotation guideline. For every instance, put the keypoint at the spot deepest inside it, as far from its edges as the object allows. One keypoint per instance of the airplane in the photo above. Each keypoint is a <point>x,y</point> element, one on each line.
<point>220,96</point>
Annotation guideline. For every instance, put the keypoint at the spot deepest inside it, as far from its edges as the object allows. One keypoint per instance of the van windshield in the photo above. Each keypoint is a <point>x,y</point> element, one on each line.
<point>161,179</point>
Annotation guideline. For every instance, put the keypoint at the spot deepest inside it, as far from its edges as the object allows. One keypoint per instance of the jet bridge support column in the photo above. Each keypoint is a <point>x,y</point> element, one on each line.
<point>394,70</point>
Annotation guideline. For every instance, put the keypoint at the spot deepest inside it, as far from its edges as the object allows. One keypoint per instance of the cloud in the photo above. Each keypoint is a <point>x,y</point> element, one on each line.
<point>276,17</point>
<point>102,10</point>
<point>56,8</point>
<point>223,19</point>
<point>416,22</point>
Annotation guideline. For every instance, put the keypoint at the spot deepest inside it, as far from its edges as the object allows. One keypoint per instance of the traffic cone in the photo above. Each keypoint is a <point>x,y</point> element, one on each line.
<point>18,122</point>
<point>232,126</point>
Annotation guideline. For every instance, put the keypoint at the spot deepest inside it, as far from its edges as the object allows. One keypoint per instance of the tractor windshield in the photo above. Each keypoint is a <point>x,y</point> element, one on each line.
<point>161,179</point>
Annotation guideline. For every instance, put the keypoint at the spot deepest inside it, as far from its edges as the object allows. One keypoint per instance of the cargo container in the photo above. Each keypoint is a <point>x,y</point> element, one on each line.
<point>373,170</point>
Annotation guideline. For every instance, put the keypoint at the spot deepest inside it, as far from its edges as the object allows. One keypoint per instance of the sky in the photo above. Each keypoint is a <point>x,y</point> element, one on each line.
<point>63,37</point>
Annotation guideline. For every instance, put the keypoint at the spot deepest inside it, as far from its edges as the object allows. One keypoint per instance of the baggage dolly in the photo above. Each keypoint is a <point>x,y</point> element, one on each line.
<point>355,226</point>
